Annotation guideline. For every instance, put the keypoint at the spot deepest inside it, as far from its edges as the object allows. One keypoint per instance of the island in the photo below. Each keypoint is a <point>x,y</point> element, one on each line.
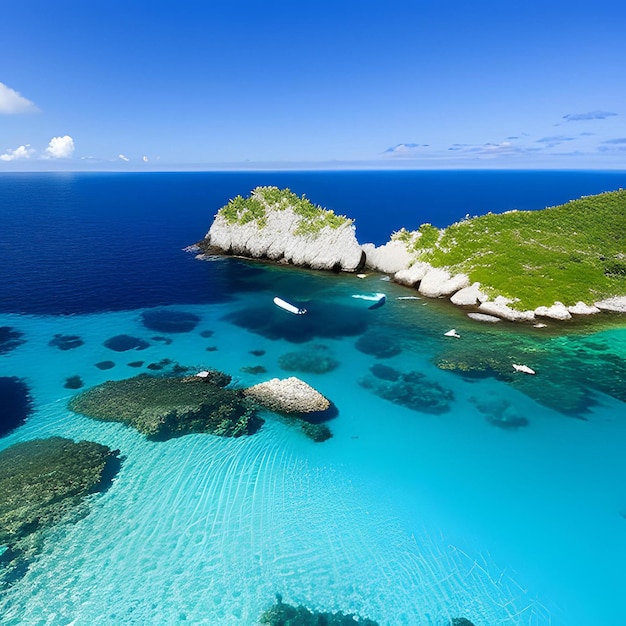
<point>559,262</point>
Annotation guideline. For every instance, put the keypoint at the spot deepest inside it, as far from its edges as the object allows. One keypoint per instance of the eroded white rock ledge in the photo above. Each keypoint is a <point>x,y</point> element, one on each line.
<point>338,249</point>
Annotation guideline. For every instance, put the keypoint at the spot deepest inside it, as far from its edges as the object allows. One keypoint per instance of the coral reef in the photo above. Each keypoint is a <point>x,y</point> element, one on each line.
<point>169,321</point>
<point>290,395</point>
<point>73,382</point>
<point>166,407</point>
<point>123,343</point>
<point>207,333</point>
<point>135,363</point>
<point>500,413</point>
<point>10,339</point>
<point>15,404</point>
<point>378,344</point>
<point>42,483</point>
<point>281,614</point>
<point>105,365</point>
<point>254,369</point>
<point>413,390</point>
<point>66,342</point>
<point>316,359</point>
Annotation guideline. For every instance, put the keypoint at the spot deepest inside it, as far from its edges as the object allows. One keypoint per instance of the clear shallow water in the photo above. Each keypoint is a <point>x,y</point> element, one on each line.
<point>403,516</point>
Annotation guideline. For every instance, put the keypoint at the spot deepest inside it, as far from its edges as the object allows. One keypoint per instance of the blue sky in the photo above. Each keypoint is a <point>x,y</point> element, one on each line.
<point>192,85</point>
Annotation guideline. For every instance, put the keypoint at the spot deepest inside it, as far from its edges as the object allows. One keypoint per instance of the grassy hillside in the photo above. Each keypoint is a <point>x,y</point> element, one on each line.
<point>255,207</point>
<point>572,252</point>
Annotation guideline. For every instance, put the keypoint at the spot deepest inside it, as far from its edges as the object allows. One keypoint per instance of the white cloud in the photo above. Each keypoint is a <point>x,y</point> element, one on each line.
<point>23,152</point>
<point>60,148</point>
<point>145,159</point>
<point>12,102</point>
<point>124,158</point>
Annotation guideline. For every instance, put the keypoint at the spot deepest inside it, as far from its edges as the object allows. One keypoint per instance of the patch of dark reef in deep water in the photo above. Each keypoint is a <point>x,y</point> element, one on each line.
<point>66,342</point>
<point>15,404</point>
<point>44,482</point>
<point>379,344</point>
<point>315,359</point>
<point>10,339</point>
<point>327,320</point>
<point>412,390</point>
<point>169,320</point>
<point>73,382</point>
<point>166,407</point>
<point>105,365</point>
<point>123,343</point>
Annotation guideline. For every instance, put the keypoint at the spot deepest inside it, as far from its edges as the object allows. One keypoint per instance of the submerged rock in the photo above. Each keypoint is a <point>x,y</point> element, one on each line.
<point>73,382</point>
<point>253,369</point>
<point>66,342</point>
<point>412,390</point>
<point>42,483</point>
<point>500,413</point>
<point>378,344</point>
<point>122,343</point>
<point>15,404</point>
<point>169,321</point>
<point>162,408</point>
<point>105,365</point>
<point>316,360</point>
<point>282,614</point>
<point>10,339</point>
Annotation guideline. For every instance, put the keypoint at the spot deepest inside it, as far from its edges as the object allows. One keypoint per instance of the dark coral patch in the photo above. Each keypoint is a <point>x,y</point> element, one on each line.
<point>123,343</point>
<point>164,407</point>
<point>499,412</point>
<point>257,352</point>
<point>207,333</point>
<point>10,339</point>
<point>66,342</point>
<point>321,320</point>
<point>105,365</point>
<point>378,344</point>
<point>282,614</point>
<point>73,382</point>
<point>317,359</point>
<point>254,369</point>
<point>15,403</point>
<point>162,364</point>
<point>42,483</point>
<point>413,390</point>
<point>168,321</point>
<point>384,372</point>
<point>135,364</point>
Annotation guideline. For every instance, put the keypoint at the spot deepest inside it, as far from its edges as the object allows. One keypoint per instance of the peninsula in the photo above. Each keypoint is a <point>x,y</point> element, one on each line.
<point>554,263</point>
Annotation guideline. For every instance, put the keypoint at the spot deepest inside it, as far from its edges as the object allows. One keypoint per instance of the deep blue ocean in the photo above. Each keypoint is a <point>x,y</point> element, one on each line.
<point>449,488</point>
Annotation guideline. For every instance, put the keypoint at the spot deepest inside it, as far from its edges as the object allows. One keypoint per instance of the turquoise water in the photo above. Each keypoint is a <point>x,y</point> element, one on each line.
<point>404,516</point>
<point>459,489</point>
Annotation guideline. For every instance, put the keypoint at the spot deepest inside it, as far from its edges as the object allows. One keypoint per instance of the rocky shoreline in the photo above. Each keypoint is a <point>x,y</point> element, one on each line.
<point>275,233</point>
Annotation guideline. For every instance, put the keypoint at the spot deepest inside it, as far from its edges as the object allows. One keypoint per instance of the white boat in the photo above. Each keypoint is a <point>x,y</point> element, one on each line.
<point>377,298</point>
<point>523,368</point>
<point>452,333</point>
<point>287,306</point>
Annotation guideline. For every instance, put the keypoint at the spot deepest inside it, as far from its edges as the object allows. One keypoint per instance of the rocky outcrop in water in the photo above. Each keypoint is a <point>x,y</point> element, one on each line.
<point>166,407</point>
<point>289,395</point>
<point>277,225</point>
<point>43,482</point>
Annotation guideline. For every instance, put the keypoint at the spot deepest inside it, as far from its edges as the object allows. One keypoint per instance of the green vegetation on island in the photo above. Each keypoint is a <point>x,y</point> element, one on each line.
<point>568,253</point>
<point>256,206</point>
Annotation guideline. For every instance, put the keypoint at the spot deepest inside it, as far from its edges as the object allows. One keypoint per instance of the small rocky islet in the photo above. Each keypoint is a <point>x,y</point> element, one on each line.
<point>44,482</point>
<point>163,407</point>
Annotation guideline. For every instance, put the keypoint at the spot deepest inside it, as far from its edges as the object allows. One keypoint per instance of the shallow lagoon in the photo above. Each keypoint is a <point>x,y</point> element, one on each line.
<point>405,516</point>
